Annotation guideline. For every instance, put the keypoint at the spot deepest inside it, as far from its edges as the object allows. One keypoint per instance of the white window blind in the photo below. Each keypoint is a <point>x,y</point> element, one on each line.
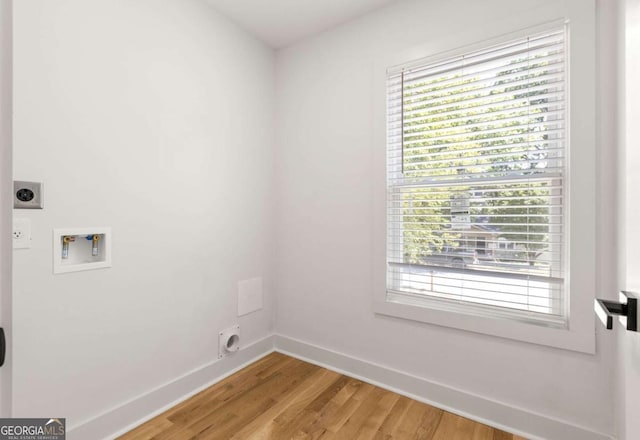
<point>476,175</point>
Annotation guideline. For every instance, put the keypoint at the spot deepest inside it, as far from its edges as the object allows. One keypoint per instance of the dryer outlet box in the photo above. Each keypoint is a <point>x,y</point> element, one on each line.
<point>27,195</point>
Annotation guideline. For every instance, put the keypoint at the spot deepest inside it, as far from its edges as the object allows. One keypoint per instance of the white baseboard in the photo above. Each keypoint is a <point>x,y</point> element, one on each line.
<point>128,415</point>
<point>515,420</point>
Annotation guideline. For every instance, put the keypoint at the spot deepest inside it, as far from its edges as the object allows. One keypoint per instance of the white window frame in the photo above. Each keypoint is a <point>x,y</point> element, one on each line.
<point>580,178</point>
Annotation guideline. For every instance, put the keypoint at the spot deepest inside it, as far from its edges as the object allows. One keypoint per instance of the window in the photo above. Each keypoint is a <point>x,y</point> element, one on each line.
<point>477,181</point>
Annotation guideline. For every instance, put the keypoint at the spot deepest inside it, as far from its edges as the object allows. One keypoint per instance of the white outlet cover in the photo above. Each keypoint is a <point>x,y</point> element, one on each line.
<point>249,296</point>
<point>21,233</point>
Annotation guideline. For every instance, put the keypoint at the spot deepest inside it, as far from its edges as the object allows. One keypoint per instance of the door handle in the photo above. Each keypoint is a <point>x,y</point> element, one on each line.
<point>3,346</point>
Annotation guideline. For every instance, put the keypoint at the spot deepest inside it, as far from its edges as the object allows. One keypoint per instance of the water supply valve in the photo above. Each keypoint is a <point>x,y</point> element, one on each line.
<point>95,238</point>
<point>65,245</point>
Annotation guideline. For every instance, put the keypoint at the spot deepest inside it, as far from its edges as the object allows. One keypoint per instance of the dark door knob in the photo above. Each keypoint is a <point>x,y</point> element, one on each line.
<point>3,346</point>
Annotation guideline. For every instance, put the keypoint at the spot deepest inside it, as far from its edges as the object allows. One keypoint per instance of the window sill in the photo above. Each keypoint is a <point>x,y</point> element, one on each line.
<point>580,340</point>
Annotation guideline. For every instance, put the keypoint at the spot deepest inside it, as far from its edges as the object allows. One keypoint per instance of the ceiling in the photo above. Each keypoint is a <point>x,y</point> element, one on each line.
<point>281,23</point>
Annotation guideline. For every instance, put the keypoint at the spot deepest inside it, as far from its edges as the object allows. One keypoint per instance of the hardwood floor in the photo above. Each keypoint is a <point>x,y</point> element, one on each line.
<point>279,397</point>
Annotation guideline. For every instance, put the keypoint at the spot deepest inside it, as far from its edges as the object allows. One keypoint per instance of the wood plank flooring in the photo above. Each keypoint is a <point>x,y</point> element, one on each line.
<point>279,397</point>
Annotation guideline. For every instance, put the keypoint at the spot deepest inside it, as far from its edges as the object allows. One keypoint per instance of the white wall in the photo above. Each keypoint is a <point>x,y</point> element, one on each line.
<point>628,371</point>
<point>153,117</point>
<point>324,181</point>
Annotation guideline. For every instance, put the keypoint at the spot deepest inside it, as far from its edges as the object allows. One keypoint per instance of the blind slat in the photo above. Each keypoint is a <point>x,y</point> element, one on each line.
<point>524,47</point>
<point>557,94</point>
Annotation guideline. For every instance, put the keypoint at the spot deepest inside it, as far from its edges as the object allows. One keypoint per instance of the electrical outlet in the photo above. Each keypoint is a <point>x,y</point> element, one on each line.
<point>21,233</point>
<point>27,195</point>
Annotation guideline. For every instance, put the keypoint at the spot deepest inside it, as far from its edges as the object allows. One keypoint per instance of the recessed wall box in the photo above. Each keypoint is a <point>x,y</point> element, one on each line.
<point>76,249</point>
<point>27,195</point>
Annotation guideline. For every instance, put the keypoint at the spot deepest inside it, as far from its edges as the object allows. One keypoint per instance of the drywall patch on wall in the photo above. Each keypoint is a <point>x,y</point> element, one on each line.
<point>250,297</point>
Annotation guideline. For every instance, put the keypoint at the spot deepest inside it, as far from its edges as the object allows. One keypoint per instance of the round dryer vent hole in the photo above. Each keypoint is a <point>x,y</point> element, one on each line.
<point>232,343</point>
<point>229,341</point>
